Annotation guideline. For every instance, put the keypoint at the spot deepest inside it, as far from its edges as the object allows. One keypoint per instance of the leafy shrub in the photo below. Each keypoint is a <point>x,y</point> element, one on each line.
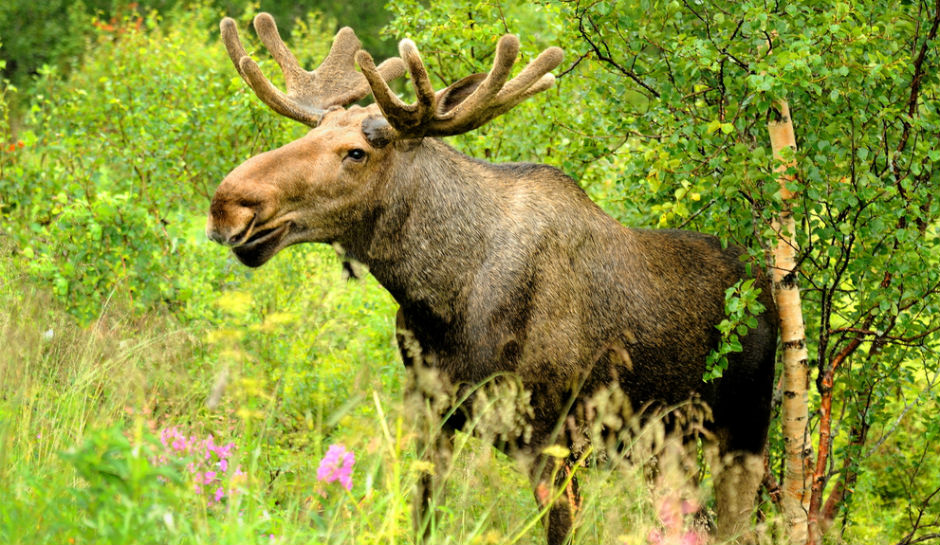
<point>55,32</point>
<point>119,166</point>
<point>126,497</point>
<point>39,33</point>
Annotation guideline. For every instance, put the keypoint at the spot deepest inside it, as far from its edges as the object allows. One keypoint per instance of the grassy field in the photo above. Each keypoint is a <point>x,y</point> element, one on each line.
<point>83,411</point>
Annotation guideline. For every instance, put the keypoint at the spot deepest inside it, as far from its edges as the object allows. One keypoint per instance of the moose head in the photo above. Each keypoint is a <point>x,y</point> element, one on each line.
<point>318,187</point>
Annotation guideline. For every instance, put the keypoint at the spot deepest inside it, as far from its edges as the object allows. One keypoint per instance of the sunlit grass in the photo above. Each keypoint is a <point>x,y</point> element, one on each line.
<point>288,367</point>
<point>64,385</point>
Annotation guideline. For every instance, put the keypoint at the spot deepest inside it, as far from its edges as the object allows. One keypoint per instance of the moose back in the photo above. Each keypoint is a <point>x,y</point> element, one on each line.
<point>499,269</point>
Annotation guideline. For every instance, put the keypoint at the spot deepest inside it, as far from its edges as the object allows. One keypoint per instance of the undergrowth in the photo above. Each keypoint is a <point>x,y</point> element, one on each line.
<point>84,410</point>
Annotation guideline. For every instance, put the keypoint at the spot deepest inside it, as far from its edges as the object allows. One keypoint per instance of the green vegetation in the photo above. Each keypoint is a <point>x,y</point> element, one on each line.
<point>37,35</point>
<point>121,320</point>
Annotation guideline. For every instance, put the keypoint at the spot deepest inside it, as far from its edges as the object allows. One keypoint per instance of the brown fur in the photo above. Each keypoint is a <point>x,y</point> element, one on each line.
<point>511,269</point>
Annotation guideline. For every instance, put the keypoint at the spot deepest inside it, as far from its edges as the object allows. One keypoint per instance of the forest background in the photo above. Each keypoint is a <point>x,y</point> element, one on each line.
<point>154,391</point>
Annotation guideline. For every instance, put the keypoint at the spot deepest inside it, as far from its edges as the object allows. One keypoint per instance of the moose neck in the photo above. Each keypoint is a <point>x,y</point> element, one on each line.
<point>432,228</point>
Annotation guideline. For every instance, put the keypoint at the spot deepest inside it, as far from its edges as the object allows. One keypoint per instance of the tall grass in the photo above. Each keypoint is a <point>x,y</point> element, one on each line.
<point>81,408</point>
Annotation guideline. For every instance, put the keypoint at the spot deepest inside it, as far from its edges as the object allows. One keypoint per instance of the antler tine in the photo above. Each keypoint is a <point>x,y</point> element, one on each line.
<point>271,38</point>
<point>233,44</point>
<point>483,106</point>
<point>274,98</point>
<point>398,113</point>
<point>383,94</point>
<point>507,49</point>
<point>424,92</point>
<point>534,78</point>
<point>250,72</point>
<point>335,83</point>
<point>465,105</point>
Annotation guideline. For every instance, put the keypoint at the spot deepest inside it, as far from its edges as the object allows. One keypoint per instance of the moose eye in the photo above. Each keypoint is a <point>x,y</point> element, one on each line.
<point>356,154</point>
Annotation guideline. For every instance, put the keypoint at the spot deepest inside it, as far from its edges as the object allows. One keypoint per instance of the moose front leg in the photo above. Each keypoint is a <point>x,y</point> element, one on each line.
<point>436,452</point>
<point>737,480</point>
<point>556,487</point>
<point>435,442</point>
<point>427,399</point>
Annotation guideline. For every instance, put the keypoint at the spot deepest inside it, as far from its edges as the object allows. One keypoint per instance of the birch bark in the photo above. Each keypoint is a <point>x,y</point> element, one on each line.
<point>795,497</point>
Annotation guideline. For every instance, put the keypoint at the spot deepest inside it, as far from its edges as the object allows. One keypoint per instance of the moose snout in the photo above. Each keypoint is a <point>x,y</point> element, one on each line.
<point>230,224</point>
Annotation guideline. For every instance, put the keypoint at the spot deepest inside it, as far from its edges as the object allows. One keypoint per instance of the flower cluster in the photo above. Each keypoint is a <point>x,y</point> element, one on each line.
<point>673,511</point>
<point>209,462</point>
<point>125,20</point>
<point>337,465</point>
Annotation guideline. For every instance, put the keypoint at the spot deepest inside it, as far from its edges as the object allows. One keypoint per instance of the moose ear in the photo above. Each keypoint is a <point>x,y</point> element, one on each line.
<point>449,98</point>
<point>377,131</point>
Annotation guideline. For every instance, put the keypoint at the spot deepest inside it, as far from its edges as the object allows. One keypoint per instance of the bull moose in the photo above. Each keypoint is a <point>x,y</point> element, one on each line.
<point>499,269</point>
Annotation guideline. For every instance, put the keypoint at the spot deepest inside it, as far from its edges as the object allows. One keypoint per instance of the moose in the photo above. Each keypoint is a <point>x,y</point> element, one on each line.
<point>498,269</point>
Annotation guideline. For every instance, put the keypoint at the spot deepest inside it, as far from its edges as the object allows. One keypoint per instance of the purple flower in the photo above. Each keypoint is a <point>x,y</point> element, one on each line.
<point>208,462</point>
<point>337,465</point>
<point>672,512</point>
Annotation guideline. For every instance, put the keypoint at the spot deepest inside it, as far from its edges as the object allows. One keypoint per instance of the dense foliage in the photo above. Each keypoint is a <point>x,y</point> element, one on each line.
<point>660,111</point>
<point>56,32</point>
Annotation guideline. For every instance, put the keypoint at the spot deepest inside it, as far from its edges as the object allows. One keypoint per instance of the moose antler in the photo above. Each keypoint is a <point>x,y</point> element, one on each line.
<point>468,103</point>
<point>309,94</point>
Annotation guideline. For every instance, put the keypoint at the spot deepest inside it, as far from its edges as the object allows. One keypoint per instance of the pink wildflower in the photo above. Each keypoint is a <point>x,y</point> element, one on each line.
<point>337,465</point>
<point>208,461</point>
<point>672,512</point>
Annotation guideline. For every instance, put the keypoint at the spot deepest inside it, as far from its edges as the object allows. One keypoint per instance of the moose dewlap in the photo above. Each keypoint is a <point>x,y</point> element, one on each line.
<point>503,270</point>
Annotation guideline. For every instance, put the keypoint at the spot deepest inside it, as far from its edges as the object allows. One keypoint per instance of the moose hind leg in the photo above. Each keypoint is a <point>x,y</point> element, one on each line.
<point>556,485</point>
<point>737,477</point>
<point>741,420</point>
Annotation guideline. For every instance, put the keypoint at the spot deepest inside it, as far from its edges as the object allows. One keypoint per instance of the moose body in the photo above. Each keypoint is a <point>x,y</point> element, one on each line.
<point>501,270</point>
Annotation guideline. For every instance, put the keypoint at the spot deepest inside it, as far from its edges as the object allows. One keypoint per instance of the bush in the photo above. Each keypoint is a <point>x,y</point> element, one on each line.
<point>56,32</point>
<point>119,163</point>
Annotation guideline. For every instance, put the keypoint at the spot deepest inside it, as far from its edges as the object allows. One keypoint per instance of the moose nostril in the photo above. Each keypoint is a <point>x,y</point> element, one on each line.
<point>235,238</point>
<point>214,235</point>
<point>231,235</point>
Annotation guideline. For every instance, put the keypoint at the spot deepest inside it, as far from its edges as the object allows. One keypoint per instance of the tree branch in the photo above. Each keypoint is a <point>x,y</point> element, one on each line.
<point>605,57</point>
